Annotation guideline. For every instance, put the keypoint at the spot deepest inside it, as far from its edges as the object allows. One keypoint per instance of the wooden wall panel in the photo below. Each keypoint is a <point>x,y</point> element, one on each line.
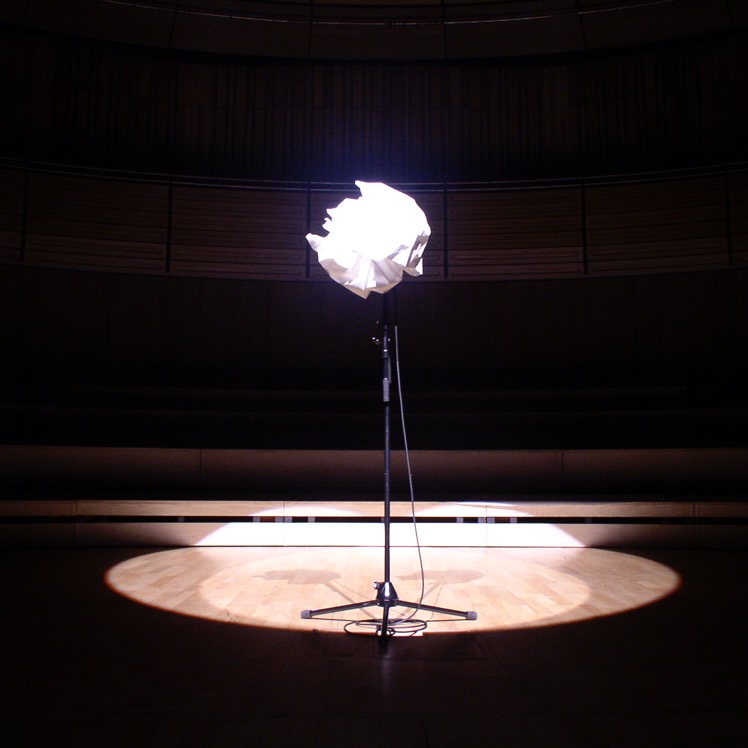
<point>132,225</point>
<point>740,249</point>
<point>738,207</point>
<point>96,224</point>
<point>147,510</point>
<point>657,227</point>
<point>220,232</point>
<point>11,214</point>
<point>522,234</point>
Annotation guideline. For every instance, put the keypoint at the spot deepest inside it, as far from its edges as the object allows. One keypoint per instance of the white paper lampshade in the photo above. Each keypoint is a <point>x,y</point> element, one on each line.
<point>373,239</point>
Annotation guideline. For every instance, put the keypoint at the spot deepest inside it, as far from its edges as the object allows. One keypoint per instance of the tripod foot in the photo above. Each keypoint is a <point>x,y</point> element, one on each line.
<point>306,613</point>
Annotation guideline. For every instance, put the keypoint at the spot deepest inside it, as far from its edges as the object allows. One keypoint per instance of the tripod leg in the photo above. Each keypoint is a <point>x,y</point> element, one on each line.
<point>383,632</point>
<point>469,615</point>
<point>337,609</point>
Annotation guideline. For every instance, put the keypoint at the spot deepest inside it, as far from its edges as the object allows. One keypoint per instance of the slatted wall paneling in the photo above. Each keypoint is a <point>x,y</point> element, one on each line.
<point>738,206</point>
<point>96,224</point>
<point>657,227</point>
<point>132,225</point>
<point>523,234</point>
<point>220,232</point>
<point>11,214</point>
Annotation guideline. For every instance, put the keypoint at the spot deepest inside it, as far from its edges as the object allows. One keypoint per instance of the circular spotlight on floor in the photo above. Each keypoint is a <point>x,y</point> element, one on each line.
<point>509,587</point>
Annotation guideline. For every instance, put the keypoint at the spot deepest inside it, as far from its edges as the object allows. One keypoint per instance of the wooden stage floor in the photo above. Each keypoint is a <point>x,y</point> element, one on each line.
<point>205,647</point>
<point>508,588</point>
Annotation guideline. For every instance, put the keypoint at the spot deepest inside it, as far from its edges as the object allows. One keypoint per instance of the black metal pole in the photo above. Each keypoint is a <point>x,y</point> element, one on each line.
<point>386,381</point>
<point>386,597</point>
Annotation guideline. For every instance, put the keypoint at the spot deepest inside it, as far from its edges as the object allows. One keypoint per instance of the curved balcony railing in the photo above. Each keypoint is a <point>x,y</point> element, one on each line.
<point>77,219</point>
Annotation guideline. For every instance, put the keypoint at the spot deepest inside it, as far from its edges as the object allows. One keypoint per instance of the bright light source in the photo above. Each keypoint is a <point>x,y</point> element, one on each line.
<point>372,239</point>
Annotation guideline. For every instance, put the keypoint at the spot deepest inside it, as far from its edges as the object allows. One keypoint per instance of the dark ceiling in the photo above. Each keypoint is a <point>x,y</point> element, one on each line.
<point>380,29</point>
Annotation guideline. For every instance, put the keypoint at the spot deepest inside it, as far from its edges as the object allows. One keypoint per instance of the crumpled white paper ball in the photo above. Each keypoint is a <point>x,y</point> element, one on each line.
<point>372,239</point>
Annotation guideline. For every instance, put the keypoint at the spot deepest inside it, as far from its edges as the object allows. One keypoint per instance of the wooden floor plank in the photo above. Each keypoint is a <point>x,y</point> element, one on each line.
<point>509,587</point>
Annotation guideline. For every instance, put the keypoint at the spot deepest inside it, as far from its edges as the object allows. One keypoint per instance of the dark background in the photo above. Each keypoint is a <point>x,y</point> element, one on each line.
<point>498,347</point>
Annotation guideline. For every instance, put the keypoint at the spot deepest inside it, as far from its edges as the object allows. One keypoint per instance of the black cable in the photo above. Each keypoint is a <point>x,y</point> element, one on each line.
<point>411,490</point>
<point>399,626</point>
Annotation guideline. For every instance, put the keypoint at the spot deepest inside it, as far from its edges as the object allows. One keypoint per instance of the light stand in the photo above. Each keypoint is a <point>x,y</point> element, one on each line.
<point>387,597</point>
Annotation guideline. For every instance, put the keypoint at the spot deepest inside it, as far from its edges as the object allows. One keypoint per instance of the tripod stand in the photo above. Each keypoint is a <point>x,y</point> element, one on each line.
<point>387,597</point>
